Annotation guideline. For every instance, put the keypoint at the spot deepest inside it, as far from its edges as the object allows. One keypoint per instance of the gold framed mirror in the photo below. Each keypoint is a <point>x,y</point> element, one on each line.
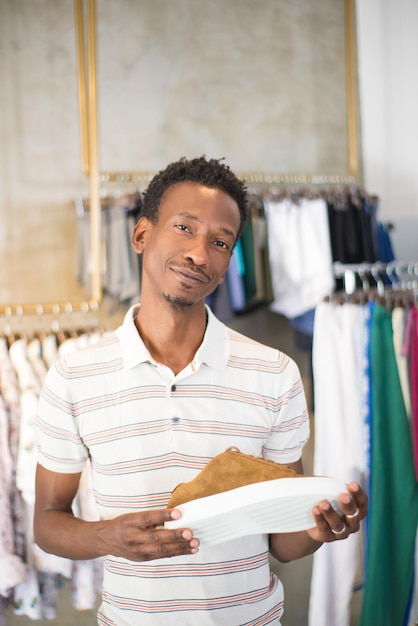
<point>188,52</point>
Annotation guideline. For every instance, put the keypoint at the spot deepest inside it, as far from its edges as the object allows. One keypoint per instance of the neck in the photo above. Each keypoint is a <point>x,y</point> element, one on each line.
<point>172,338</point>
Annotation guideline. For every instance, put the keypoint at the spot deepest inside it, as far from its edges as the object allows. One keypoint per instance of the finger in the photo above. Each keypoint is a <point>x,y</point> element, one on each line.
<point>176,534</point>
<point>160,543</point>
<point>336,526</point>
<point>353,513</point>
<point>165,552</point>
<point>320,521</point>
<point>332,517</point>
<point>327,521</point>
<point>348,506</point>
<point>157,518</point>
<point>360,498</point>
<point>342,533</point>
<point>353,506</point>
<point>168,536</point>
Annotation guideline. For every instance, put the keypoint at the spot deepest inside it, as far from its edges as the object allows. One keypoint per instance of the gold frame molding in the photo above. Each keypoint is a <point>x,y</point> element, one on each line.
<point>351,85</point>
<point>85,23</point>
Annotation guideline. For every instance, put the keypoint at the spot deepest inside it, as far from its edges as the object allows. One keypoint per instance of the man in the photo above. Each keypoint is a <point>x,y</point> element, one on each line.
<point>152,404</point>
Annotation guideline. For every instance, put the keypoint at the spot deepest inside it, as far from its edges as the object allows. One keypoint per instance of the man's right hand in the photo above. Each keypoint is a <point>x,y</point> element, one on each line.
<point>141,536</point>
<point>137,536</point>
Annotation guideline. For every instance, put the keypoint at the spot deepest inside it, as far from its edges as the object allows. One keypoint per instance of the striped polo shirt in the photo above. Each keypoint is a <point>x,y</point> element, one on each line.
<point>145,430</point>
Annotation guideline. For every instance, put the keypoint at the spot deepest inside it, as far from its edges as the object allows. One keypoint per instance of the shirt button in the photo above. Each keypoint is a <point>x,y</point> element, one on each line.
<point>173,387</point>
<point>175,420</point>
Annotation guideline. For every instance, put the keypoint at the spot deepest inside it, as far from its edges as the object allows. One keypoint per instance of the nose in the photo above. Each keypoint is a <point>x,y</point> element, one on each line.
<point>198,251</point>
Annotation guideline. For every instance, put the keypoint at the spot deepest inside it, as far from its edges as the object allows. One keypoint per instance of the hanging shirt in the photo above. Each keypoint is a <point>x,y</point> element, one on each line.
<point>300,255</point>
<point>340,447</point>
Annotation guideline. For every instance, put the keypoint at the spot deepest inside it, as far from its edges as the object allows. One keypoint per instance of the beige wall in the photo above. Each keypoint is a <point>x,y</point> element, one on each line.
<point>40,159</point>
<point>261,83</point>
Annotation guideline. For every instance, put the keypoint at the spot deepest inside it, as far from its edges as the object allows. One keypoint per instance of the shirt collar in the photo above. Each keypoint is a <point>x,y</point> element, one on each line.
<point>213,351</point>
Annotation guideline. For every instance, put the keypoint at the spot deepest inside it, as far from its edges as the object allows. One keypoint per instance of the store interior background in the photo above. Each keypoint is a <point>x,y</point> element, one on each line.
<point>293,120</point>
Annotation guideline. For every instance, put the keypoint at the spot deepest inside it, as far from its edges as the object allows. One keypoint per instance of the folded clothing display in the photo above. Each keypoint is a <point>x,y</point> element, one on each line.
<point>273,506</point>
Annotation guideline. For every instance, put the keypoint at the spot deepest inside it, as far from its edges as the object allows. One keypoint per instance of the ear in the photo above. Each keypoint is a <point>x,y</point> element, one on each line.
<point>139,234</point>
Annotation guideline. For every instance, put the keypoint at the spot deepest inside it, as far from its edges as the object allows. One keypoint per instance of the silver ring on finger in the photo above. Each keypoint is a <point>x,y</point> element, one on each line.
<point>339,533</point>
<point>353,515</point>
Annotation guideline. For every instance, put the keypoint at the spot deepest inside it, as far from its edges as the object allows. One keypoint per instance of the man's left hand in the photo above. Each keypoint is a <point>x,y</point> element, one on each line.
<point>332,526</point>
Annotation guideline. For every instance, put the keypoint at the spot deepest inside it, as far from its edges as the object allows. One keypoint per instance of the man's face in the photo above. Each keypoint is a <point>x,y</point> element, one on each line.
<point>187,252</point>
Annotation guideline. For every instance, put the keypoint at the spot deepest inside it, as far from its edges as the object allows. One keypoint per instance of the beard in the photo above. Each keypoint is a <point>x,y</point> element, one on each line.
<point>178,301</point>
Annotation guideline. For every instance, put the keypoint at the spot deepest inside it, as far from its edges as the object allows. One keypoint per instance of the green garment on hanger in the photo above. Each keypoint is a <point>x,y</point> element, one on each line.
<point>247,246</point>
<point>393,498</point>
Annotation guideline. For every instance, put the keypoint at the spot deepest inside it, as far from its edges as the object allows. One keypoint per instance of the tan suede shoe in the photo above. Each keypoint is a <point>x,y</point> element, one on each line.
<point>226,471</point>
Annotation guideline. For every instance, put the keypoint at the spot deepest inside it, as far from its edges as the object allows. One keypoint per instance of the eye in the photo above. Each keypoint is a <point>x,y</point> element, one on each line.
<point>221,244</point>
<point>183,227</point>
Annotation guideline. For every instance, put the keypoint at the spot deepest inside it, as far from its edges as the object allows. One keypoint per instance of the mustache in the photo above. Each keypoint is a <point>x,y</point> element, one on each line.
<point>192,268</point>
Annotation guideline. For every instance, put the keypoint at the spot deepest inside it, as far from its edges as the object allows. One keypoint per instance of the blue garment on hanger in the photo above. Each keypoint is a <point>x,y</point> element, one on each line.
<point>384,244</point>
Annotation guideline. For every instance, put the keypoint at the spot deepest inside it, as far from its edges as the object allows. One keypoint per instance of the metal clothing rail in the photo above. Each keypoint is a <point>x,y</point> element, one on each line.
<point>299,179</point>
<point>59,317</point>
<point>53,308</point>
<point>392,268</point>
<point>253,178</point>
<point>403,275</point>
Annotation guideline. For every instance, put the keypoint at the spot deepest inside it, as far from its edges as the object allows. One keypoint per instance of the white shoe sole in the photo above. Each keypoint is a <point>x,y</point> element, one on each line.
<point>274,506</point>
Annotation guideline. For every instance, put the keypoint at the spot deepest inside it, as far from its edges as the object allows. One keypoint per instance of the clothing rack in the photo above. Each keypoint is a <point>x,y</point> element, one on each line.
<point>259,185</point>
<point>261,188</point>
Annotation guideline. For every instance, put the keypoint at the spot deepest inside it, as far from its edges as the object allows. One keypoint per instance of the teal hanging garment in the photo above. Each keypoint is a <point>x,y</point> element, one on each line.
<point>393,503</point>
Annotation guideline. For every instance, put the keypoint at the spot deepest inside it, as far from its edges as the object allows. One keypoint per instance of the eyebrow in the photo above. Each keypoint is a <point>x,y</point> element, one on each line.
<point>195,218</point>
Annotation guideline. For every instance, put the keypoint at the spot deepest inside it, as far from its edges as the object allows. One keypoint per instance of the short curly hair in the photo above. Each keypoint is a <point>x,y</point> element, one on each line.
<point>208,172</point>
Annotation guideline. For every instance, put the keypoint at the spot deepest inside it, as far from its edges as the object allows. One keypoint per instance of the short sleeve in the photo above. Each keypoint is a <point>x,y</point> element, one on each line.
<point>60,447</point>
<point>291,428</point>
